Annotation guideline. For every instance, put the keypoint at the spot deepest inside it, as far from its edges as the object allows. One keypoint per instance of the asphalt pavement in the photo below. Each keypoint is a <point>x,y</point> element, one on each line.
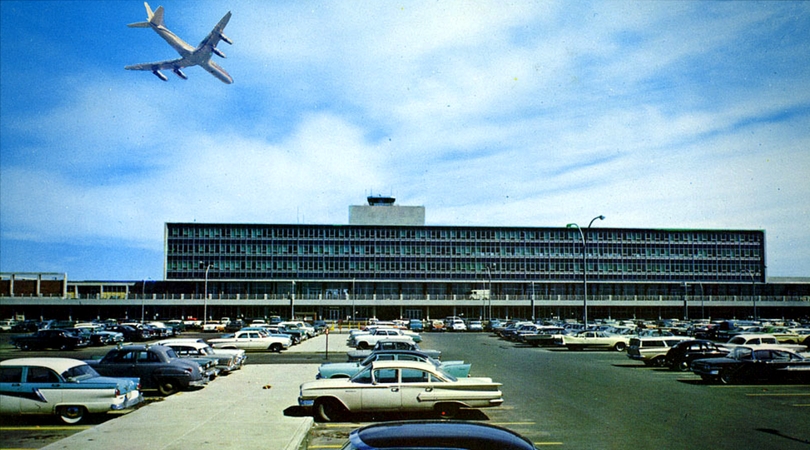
<point>245,410</point>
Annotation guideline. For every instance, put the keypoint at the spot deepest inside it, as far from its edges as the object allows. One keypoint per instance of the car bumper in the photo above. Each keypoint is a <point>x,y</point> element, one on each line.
<point>132,400</point>
<point>198,383</point>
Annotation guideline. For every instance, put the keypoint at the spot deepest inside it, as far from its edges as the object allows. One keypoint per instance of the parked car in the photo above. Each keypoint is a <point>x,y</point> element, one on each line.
<point>652,351</point>
<point>225,363</point>
<point>131,334</point>
<point>157,366</point>
<point>252,340</point>
<point>595,339</point>
<point>368,340</point>
<point>455,324</point>
<point>546,335</point>
<point>436,435</point>
<point>359,355</point>
<point>747,339</point>
<point>238,355</point>
<point>348,369</point>
<point>397,386</point>
<point>755,363</point>
<point>681,355</point>
<point>415,325</point>
<point>65,387</point>
<point>49,339</point>
<point>475,325</point>
<point>7,324</point>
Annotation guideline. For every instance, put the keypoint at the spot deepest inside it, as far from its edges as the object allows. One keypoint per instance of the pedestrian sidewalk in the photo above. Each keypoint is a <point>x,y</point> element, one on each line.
<point>243,410</point>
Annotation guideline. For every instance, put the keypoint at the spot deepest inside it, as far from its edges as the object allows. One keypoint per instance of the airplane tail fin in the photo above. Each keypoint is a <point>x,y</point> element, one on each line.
<point>153,18</point>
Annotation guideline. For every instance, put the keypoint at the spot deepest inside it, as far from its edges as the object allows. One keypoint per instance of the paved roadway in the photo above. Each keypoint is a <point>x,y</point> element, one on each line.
<point>603,400</point>
<point>589,399</point>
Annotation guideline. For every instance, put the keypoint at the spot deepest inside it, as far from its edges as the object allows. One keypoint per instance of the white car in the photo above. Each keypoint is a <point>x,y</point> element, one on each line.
<point>65,387</point>
<point>398,386</point>
<point>595,339</point>
<point>252,340</point>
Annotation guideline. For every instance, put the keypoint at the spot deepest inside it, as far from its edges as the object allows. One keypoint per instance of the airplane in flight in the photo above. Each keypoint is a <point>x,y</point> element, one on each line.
<point>190,56</point>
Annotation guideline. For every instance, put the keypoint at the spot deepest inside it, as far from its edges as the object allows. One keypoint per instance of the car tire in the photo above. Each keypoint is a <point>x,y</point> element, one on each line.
<point>726,377</point>
<point>25,347</point>
<point>683,365</point>
<point>619,346</point>
<point>447,410</point>
<point>328,410</point>
<point>659,361</point>
<point>168,387</point>
<point>363,346</point>
<point>72,414</point>
<point>275,348</point>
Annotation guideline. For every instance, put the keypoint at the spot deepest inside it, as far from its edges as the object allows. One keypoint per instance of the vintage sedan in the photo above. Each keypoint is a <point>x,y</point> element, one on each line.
<point>157,366</point>
<point>348,369</point>
<point>595,339</point>
<point>65,387</point>
<point>359,355</point>
<point>681,355</point>
<point>400,386</point>
<point>436,435</point>
<point>252,340</point>
<point>227,360</point>
<point>759,363</point>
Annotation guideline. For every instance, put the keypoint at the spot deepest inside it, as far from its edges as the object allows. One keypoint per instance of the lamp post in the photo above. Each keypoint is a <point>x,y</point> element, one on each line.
<point>584,268</point>
<point>208,267</point>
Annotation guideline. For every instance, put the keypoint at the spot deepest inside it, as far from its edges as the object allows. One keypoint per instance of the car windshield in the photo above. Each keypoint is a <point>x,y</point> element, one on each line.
<point>78,373</point>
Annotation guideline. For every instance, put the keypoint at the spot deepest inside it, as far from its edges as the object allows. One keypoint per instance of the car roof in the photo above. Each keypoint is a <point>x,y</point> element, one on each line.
<point>57,364</point>
<point>439,434</point>
<point>402,365</point>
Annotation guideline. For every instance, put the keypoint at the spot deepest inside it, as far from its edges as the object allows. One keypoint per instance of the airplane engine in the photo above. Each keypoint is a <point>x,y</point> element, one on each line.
<point>160,75</point>
<point>218,52</point>
<point>225,38</point>
<point>180,73</point>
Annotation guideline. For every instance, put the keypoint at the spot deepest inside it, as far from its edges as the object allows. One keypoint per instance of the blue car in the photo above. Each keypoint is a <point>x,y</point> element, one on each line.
<point>436,435</point>
<point>64,387</point>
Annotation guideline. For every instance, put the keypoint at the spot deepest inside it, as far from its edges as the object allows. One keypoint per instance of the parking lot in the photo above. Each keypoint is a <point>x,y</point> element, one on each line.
<point>556,397</point>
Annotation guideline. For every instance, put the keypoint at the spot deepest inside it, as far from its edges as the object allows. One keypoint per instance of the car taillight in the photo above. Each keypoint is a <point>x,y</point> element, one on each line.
<point>117,392</point>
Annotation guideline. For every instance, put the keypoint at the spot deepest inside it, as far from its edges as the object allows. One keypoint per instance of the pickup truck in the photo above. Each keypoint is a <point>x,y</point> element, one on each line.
<point>43,339</point>
<point>365,341</point>
<point>252,340</point>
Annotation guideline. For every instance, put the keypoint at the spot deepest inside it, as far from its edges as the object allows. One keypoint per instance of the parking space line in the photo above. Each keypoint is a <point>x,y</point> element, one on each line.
<point>779,394</point>
<point>45,428</point>
<point>538,444</point>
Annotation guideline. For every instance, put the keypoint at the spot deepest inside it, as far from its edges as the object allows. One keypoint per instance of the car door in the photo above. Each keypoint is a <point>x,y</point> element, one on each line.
<point>121,364</point>
<point>41,389</point>
<point>11,389</point>
<point>416,389</point>
<point>383,394</point>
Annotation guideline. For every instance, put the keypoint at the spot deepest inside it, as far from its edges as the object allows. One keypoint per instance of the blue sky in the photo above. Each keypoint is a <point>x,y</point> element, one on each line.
<point>654,114</point>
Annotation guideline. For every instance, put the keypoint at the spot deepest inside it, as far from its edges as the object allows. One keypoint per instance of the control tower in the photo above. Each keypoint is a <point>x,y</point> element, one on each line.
<point>382,210</point>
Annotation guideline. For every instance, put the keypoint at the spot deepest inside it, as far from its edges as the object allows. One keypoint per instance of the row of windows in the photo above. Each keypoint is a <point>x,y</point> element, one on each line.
<point>450,269</point>
<point>612,251</point>
<point>452,233</point>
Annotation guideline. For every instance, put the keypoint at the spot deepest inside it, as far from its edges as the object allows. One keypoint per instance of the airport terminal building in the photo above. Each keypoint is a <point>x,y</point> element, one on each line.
<point>387,263</point>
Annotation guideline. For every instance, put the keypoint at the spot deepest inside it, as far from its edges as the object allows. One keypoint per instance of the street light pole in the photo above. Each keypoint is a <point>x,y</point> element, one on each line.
<point>208,266</point>
<point>584,268</point>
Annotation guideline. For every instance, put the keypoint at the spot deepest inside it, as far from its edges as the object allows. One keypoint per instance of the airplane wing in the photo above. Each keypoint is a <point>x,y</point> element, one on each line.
<point>162,65</point>
<point>216,34</point>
